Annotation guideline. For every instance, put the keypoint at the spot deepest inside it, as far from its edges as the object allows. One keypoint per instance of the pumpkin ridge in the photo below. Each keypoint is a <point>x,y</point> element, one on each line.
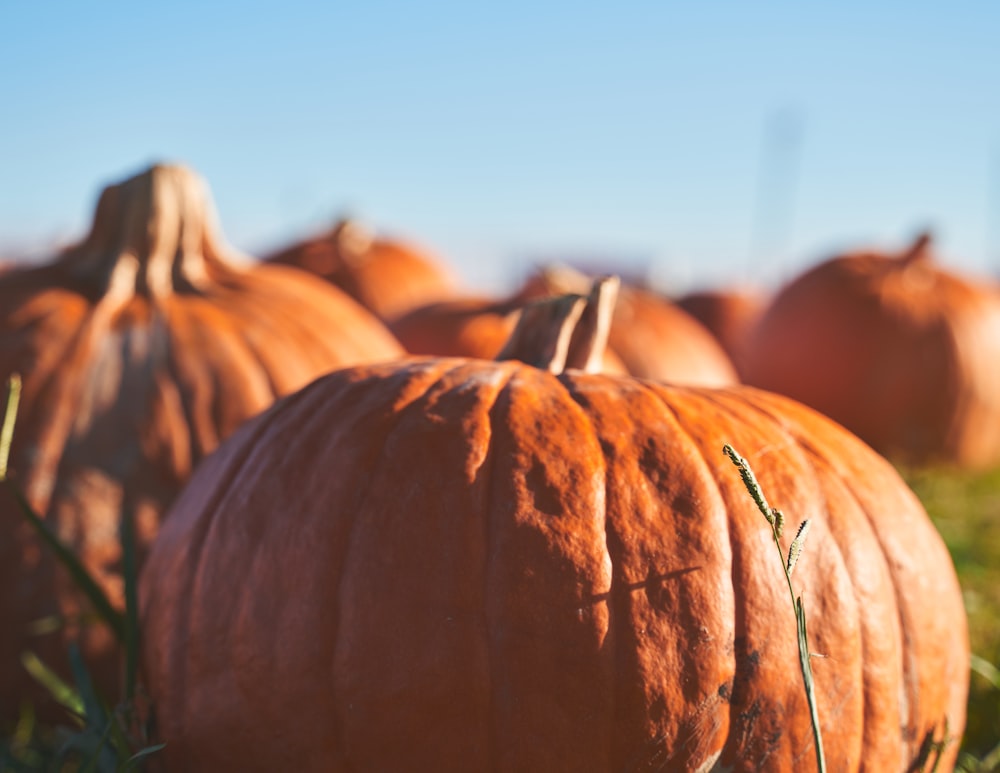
<point>806,451</point>
<point>270,318</point>
<point>739,629</point>
<point>68,398</point>
<point>436,370</point>
<point>49,382</point>
<point>246,441</point>
<point>908,698</point>
<point>286,324</point>
<point>254,430</point>
<point>910,679</point>
<point>204,343</point>
<point>812,458</point>
<point>811,455</point>
<point>202,433</point>
<point>611,638</point>
<point>488,464</point>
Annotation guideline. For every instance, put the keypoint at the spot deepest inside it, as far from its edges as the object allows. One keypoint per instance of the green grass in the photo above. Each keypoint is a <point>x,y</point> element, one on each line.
<point>965,507</point>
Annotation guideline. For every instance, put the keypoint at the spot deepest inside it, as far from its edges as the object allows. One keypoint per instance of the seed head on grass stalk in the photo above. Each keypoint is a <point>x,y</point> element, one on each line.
<point>777,521</point>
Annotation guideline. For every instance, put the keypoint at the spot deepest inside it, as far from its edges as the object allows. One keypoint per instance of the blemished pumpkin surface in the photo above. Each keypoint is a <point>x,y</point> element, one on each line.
<point>898,350</point>
<point>140,349</point>
<point>387,276</point>
<point>451,564</point>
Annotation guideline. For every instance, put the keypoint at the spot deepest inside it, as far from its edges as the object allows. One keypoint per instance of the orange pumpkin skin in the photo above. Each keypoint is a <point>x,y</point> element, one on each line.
<point>462,327</point>
<point>450,564</point>
<point>386,276</point>
<point>729,315</point>
<point>896,349</point>
<point>139,350</point>
<point>653,337</point>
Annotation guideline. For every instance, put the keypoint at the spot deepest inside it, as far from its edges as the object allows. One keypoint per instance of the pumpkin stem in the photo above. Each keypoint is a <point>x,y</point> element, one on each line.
<point>565,331</point>
<point>919,251</point>
<point>556,280</point>
<point>152,235</point>
<point>354,240</point>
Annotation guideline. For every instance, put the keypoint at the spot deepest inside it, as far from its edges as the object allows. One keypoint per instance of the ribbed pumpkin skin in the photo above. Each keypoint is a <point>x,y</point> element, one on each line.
<point>388,277</point>
<point>899,351</point>
<point>126,389</point>
<point>463,565</point>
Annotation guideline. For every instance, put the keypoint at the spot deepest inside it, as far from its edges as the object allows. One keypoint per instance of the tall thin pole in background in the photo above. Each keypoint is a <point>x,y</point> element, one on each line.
<point>777,183</point>
<point>993,215</point>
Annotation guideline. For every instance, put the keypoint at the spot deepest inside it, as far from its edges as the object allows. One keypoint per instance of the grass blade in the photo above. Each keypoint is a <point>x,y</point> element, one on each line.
<point>133,762</point>
<point>9,417</point>
<point>130,573</point>
<point>63,694</point>
<point>94,711</point>
<point>776,520</point>
<point>81,577</point>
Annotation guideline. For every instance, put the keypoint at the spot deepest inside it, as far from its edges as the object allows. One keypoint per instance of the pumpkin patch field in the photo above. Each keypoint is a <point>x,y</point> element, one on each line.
<point>243,527</point>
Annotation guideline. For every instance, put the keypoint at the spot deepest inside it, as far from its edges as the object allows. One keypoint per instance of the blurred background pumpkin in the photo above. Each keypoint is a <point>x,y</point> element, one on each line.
<point>386,276</point>
<point>896,348</point>
<point>140,348</point>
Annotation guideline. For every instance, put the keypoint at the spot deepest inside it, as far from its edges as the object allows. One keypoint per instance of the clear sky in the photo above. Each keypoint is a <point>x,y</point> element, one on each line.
<point>713,140</point>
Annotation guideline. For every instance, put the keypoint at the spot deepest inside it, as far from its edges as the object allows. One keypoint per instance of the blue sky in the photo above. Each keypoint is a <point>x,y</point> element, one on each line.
<point>500,133</point>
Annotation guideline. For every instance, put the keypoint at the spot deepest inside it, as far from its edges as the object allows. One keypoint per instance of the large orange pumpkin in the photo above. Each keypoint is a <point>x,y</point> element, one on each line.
<point>455,564</point>
<point>140,348</point>
<point>900,351</point>
<point>387,276</point>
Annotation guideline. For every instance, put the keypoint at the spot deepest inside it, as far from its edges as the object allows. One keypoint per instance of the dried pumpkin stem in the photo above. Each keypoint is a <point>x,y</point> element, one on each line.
<point>354,241</point>
<point>919,251</point>
<point>565,331</point>
<point>561,278</point>
<point>776,520</point>
<point>152,234</point>
<point>590,338</point>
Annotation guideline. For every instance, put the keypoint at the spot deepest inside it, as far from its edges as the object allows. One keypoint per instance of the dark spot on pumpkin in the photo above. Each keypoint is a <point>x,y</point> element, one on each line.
<point>546,496</point>
<point>725,691</point>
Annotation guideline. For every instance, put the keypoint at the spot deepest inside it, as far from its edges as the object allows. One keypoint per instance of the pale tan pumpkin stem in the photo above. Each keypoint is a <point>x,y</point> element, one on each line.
<point>354,240</point>
<point>590,338</point>
<point>152,235</point>
<point>543,332</point>
<point>561,278</point>
<point>564,331</point>
<point>919,251</point>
